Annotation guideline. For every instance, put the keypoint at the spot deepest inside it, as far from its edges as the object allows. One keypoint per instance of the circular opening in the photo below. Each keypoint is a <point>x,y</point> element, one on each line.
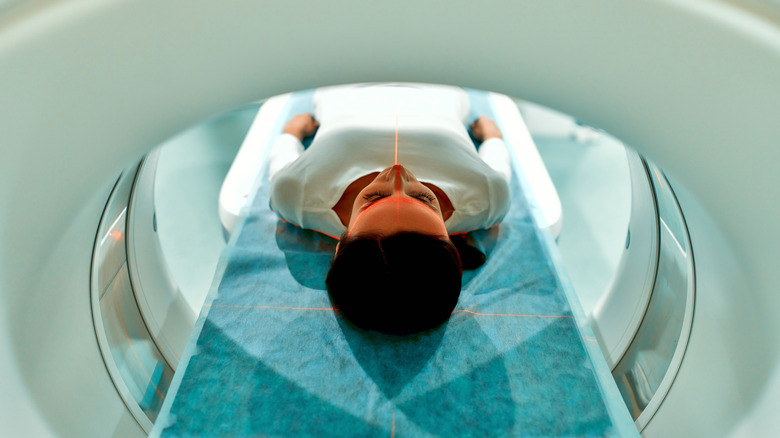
<point>173,214</point>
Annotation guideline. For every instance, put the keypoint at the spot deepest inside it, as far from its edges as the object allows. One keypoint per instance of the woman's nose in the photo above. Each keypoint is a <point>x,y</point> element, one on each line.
<point>400,174</point>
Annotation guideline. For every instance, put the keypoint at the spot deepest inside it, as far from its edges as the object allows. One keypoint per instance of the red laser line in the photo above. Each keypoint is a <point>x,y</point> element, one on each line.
<point>397,190</point>
<point>326,234</point>
<point>333,309</point>
<point>659,178</point>
<point>512,314</point>
<point>395,161</point>
<point>392,433</point>
<point>398,173</point>
<point>298,226</point>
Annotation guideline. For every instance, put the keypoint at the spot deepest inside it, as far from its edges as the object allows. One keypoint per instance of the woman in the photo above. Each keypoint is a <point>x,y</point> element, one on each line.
<point>392,170</point>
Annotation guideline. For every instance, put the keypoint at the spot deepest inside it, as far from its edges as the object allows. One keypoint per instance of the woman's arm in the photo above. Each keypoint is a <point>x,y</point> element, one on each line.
<point>301,126</point>
<point>288,147</point>
<point>492,150</point>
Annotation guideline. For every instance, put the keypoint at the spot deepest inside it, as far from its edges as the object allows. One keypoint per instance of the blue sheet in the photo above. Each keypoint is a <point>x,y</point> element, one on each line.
<point>269,357</point>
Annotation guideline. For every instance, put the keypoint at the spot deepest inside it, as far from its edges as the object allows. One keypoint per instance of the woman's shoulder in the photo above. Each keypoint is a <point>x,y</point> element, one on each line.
<point>285,193</point>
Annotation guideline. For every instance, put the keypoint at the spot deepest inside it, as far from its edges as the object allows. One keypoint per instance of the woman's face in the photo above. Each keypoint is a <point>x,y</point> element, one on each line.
<point>394,202</point>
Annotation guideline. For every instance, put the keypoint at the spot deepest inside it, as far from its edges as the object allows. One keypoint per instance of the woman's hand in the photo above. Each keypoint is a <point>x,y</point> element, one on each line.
<point>301,126</point>
<point>484,129</point>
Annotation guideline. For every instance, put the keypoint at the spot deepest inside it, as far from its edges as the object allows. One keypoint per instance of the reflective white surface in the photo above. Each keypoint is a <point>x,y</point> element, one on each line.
<point>590,171</point>
<point>649,366</point>
<point>188,177</point>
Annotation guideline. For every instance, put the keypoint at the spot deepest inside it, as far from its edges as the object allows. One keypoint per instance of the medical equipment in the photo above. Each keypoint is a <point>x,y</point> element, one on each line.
<point>268,337</point>
<point>95,85</point>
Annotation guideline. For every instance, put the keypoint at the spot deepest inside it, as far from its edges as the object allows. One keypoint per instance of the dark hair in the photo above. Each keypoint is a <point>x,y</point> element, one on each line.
<point>400,284</point>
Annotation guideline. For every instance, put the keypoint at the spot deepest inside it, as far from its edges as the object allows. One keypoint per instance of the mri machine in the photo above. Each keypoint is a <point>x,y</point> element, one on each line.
<point>87,88</point>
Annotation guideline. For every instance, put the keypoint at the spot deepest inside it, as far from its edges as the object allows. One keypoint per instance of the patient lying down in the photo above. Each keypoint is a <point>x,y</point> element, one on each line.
<point>400,257</point>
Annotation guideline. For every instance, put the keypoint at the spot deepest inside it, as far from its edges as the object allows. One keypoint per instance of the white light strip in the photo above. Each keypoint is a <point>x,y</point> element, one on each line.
<point>108,231</point>
<point>674,238</point>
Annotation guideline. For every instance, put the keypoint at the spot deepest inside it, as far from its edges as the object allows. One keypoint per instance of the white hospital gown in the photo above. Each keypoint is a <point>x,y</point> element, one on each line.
<point>357,137</point>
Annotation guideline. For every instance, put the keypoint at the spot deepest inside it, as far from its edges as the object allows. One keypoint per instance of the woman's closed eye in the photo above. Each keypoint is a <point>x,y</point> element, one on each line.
<point>375,196</point>
<point>424,196</point>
